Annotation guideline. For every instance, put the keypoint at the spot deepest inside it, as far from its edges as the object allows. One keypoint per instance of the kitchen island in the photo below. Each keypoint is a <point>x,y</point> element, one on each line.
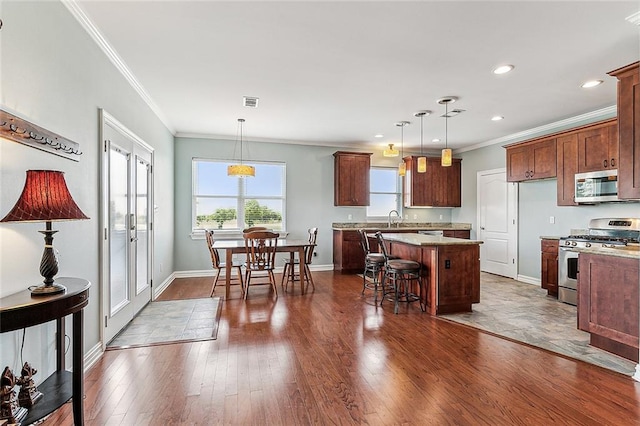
<point>450,269</point>
<point>348,257</point>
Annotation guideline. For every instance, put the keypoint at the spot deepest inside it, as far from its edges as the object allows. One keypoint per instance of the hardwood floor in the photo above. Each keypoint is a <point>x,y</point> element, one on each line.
<point>330,357</point>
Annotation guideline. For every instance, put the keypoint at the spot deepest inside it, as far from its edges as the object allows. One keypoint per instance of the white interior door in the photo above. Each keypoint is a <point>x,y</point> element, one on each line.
<point>127,253</point>
<point>497,223</point>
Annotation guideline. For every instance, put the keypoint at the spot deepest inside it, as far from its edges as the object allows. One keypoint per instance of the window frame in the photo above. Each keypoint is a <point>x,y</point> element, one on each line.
<point>233,233</point>
<point>398,193</point>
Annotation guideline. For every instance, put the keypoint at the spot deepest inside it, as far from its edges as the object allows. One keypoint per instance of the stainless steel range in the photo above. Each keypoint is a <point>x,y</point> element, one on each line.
<point>608,233</point>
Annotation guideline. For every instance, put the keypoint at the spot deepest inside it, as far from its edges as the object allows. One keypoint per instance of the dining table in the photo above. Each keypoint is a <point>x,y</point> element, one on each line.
<point>285,245</point>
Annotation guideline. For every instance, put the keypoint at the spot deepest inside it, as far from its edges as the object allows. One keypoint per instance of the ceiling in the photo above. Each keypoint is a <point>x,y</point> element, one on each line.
<point>338,73</point>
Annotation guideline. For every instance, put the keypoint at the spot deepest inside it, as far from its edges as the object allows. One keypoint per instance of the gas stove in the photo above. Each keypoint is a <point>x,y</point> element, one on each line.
<point>607,233</point>
<point>612,234</point>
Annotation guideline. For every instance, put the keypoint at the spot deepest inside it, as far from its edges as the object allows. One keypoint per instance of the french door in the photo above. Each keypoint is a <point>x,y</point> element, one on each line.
<point>127,220</point>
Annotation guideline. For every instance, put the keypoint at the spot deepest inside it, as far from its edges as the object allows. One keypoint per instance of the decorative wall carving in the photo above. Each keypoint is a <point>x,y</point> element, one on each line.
<point>21,131</point>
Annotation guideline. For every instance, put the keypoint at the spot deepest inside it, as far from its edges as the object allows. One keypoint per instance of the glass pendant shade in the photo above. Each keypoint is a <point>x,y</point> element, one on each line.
<point>391,151</point>
<point>402,169</point>
<point>446,157</point>
<point>422,164</point>
<point>241,170</point>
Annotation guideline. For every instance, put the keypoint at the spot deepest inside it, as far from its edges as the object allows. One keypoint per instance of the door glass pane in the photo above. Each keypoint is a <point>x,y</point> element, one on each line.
<point>118,178</point>
<point>142,226</point>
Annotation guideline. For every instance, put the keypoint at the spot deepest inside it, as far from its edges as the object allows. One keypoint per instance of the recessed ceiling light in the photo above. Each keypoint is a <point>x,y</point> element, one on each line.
<point>591,83</point>
<point>379,135</point>
<point>435,140</point>
<point>503,69</point>
<point>497,118</point>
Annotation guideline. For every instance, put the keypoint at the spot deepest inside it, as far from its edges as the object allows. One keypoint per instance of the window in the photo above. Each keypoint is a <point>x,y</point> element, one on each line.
<point>229,203</point>
<point>385,191</point>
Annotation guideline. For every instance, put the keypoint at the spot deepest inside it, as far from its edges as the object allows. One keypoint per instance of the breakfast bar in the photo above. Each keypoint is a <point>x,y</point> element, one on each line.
<point>450,269</point>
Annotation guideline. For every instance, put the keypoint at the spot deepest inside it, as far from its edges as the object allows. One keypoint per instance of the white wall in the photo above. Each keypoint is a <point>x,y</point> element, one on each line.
<point>309,194</point>
<point>55,76</point>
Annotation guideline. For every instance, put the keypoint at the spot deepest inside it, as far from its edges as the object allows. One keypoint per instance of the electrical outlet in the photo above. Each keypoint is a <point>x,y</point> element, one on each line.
<point>441,217</point>
<point>406,217</point>
<point>415,216</point>
<point>349,217</point>
<point>552,219</point>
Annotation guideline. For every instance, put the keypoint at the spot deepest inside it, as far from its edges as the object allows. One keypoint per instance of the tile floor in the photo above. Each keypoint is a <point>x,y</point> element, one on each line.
<point>169,321</point>
<point>525,313</point>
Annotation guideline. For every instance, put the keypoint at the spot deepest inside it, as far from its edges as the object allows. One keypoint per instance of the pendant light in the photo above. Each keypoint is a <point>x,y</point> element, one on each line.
<point>402,167</point>
<point>445,160</point>
<point>422,160</point>
<point>240,170</point>
<point>391,152</point>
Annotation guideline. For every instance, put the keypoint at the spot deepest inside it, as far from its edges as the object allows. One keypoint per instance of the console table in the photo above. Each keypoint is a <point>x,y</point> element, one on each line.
<point>20,310</point>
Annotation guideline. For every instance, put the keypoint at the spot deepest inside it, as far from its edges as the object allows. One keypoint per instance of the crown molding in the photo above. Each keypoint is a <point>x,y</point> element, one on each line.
<point>557,126</point>
<point>88,25</point>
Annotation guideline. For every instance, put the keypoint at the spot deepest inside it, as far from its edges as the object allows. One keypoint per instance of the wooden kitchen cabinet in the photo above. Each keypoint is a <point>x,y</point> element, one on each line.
<point>549,263</point>
<point>598,148</point>
<point>437,187</point>
<point>351,178</point>
<point>531,160</point>
<point>608,302</point>
<point>457,233</point>
<point>348,256</point>
<point>628,130</point>
<point>567,165</point>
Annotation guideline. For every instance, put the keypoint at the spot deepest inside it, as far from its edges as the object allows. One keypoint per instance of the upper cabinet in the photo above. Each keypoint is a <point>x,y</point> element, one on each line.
<point>351,178</point>
<point>531,160</point>
<point>437,187</point>
<point>628,133</point>
<point>598,148</point>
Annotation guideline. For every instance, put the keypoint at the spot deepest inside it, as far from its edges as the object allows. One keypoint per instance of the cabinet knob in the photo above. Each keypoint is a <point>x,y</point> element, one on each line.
<point>526,174</point>
<point>604,163</point>
<point>613,162</point>
<point>531,175</point>
<point>482,228</point>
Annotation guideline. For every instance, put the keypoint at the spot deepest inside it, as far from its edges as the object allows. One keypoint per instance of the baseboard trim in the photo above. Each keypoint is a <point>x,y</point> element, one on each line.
<point>157,291</point>
<point>529,280</point>
<point>92,356</point>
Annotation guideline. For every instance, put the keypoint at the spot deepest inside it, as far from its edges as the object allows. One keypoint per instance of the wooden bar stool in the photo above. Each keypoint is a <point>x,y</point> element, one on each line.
<point>373,267</point>
<point>400,277</point>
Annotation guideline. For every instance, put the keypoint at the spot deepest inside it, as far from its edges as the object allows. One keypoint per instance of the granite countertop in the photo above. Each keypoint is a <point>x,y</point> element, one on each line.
<point>428,240</point>
<point>632,252</point>
<point>417,226</point>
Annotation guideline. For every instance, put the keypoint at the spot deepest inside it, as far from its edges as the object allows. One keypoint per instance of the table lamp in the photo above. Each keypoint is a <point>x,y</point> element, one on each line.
<point>45,198</point>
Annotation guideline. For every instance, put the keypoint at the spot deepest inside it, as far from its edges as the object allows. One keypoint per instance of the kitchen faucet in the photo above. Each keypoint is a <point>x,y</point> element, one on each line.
<point>397,221</point>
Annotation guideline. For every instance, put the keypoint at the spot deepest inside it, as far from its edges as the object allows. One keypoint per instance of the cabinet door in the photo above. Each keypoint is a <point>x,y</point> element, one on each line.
<point>351,179</point>
<point>360,180</point>
<point>517,163</point>
<point>417,186</point>
<point>628,131</point>
<point>543,157</point>
<point>593,150</point>
<point>567,160</point>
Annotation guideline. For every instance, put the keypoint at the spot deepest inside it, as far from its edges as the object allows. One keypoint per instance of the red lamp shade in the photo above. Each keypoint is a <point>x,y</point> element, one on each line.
<point>45,197</point>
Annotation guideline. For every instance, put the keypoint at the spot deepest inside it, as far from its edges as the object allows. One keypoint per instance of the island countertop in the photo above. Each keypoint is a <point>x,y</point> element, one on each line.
<point>415,226</point>
<point>428,240</point>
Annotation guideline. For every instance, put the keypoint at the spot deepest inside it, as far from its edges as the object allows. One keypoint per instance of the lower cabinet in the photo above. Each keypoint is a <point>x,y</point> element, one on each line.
<point>608,302</point>
<point>549,264</point>
<point>458,233</point>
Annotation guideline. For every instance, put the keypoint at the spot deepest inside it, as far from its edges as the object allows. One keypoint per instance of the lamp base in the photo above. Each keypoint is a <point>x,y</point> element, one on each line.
<point>47,289</point>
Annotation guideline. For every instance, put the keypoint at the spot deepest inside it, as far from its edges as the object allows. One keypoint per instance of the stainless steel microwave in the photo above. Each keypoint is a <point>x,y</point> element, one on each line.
<point>597,187</point>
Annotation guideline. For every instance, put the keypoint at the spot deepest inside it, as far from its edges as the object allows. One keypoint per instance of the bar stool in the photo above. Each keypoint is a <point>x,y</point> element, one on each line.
<point>400,276</point>
<point>373,267</point>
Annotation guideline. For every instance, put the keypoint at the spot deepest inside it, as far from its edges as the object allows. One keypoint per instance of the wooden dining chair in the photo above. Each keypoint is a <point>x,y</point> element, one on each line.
<point>288,273</point>
<point>254,228</point>
<point>219,266</point>
<point>260,247</point>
